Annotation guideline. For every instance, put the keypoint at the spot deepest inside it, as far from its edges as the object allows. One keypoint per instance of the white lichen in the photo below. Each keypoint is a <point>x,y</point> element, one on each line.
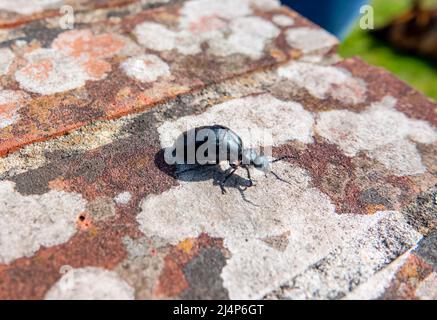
<point>155,36</point>
<point>6,59</point>
<point>49,71</point>
<point>195,11</point>
<point>27,7</point>
<point>249,37</point>
<point>145,68</point>
<point>90,283</point>
<point>265,4</point>
<point>323,81</point>
<point>123,197</point>
<point>381,131</point>
<point>282,20</point>
<point>225,25</point>
<point>348,266</point>
<point>30,222</point>
<point>10,102</point>
<point>309,40</point>
<point>376,285</point>
<point>427,289</point>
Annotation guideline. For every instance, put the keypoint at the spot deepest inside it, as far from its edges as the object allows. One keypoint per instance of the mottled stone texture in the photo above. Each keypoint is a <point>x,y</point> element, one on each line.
<point>90,209</point>
<point>14,13</point>
<point>57,80</point>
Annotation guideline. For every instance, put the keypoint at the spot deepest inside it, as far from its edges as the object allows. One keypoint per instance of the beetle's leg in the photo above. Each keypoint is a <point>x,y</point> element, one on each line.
<point>248,176</point>
<point>279,178</point>
<point>222,184</point>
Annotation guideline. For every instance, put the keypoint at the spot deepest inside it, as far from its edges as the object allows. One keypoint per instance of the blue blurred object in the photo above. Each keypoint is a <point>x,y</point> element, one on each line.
<point>336,16</point>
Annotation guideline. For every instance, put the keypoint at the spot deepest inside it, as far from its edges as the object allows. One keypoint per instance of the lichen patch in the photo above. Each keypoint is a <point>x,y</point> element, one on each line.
<point>6,58</point>
<point>147,35</point>
<point>195,11</point>
<point>355,263</point>
<point>323,81</point>
<point>26,7</point>
<point>10,102</point>
<point>249,37</point>
<point>123,197</point>
<point>282,20</point>
<point>225,25</point>
<point>427,290</point>
<point>90,283</point>
<point>146,68</point>
<point>257,119</point>
<point>49,71</point>
<point>90,49</point>
<point>29,222</point>
<point>310,40</point>
<point>381,131</point>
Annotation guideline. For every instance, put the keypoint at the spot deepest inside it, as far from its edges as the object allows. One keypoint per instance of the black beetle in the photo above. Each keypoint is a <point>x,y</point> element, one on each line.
<point>210,145</point>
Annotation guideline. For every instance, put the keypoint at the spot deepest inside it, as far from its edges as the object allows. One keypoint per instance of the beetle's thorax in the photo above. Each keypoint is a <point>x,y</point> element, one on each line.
<point>248,156</point>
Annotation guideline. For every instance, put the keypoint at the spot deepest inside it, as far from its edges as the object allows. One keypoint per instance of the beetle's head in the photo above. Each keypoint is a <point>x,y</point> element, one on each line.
<point>251,157</point>
<point>262,163</point>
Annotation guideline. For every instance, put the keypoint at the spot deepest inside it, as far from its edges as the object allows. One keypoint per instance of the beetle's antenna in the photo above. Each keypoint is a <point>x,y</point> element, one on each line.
<point>244,197</point>
<point>283,158</point>
<point>279,178</point>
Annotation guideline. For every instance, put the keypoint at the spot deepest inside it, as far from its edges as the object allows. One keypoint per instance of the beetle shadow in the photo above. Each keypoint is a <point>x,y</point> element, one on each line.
<point>195,173</point>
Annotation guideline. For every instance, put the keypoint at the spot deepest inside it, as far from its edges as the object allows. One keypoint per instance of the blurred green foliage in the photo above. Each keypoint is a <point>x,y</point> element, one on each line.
<point>418,72</point>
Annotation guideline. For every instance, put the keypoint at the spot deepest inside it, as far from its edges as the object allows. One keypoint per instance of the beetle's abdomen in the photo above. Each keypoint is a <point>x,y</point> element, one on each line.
<point>208,145</point>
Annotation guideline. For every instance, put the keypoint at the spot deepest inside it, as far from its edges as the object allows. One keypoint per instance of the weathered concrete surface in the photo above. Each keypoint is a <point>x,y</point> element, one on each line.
<point>356,217</point>
<point>55,80</point>
<point>14,13</point>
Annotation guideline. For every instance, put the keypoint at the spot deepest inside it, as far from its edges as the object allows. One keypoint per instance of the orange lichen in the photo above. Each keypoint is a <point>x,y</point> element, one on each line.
<point>97,68</point>
<point>58,184</point>
<point>373,208</point>
<point>83,44</point>
<point>89,49</point>
<point>277,54</point>
<point>93,232</point>
<point>7,110</point>
<point>186,245</point>
<point>39,71</point>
